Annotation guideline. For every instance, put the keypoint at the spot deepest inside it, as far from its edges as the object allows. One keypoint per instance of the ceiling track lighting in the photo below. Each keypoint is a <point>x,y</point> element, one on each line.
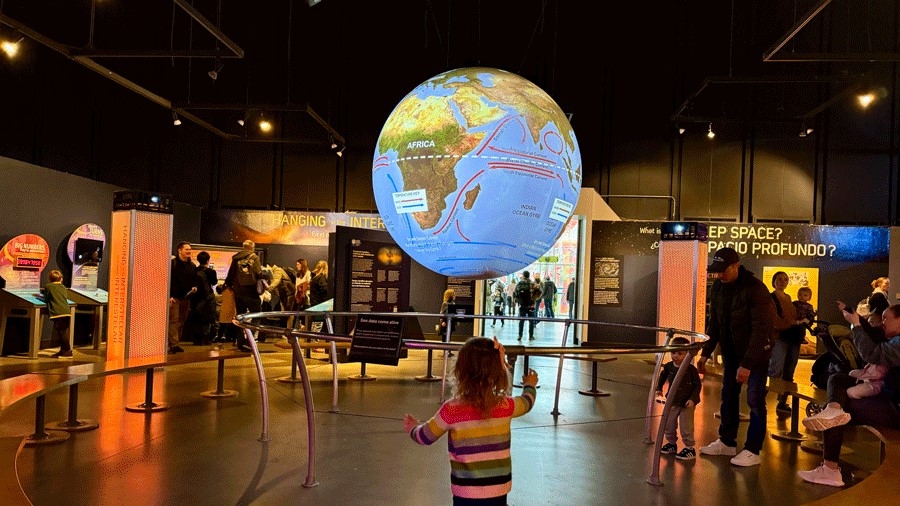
<point>710,133</point>
<point>175,119</point>
<point>11,48</point>
<point>340,152</point>
<point>681,130</point>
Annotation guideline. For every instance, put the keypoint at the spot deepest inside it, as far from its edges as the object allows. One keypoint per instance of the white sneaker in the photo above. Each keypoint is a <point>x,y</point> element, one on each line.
<point>823,475</point>
<point>717,447</point>
<point>745,459</point>
<point>826,419</point>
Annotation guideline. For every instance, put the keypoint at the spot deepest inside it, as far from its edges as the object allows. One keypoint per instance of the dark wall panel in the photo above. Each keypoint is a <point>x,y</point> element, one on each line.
<point>783,180</point>
<point>856,190</point>
<point>246,174</point>
<point>711,179</point>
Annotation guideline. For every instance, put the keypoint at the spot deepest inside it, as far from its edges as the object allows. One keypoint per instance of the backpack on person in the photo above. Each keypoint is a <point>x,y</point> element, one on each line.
<point>246,271</point>
<point>523,293</point>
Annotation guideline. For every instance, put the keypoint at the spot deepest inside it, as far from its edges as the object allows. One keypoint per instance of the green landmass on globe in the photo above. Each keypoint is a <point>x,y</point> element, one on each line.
<point>464,148</point>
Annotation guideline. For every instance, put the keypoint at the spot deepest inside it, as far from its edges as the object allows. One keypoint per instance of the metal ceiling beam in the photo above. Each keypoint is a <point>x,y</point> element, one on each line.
<point>845,57</point>
<point>154,53</point>
<point>679,116</point>
<point>211,28</point>
<point>794,30</point>
<point>305,108</point>
<point>771,55</point>
<point>85,61</point>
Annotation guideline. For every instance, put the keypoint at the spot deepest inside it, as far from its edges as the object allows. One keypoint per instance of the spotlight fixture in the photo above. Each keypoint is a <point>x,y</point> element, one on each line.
<point>681,130</point>
<point>241,122</point>
<point>333,145</point>
<point>175,119</point>
<point>214,73</point>
<point>264,125</point>
<point>11,48</point>
<point>710,133</point>
<point>804,130</point>
<point>340,152</point>
<point>865,100</point>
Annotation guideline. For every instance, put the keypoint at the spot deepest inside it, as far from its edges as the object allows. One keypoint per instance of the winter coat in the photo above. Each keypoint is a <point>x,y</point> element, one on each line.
<point>741,321</point>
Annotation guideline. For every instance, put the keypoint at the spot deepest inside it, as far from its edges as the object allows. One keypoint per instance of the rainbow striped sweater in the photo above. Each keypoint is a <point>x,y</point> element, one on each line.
<point>480,464</point>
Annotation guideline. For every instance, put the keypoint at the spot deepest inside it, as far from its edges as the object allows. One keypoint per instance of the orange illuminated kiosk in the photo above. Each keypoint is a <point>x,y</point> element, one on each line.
<point>681,290</point>
<point>140,256</point>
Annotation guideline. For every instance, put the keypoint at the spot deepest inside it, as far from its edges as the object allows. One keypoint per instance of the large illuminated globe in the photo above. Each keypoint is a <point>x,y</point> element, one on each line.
<point>476,172</point>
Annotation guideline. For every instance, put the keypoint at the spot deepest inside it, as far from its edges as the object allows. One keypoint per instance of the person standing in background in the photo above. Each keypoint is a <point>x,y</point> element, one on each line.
<point>511,298</point>
<point>318,285</point>
<point>302,282</point>
<point>570,299</point>
<point>741,321</point>
<point>549,296</point>
<point>182,285</point>
<point>203,303</point>
<point>55,296</point>
<point>243,274</point>
<point>878,301</point>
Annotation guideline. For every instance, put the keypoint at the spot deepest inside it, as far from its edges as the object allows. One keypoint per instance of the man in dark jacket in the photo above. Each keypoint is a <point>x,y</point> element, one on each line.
<point>182,285</point>
<point>741,322</point>
<point>242,276</point>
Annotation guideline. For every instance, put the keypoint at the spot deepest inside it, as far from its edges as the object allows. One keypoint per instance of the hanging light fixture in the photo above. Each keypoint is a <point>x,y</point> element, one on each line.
<point>710,133</point>
<point>340,152</point>
<point>11,48</point>
<point>214,73</point>
<point>265,126</point>
<point>175,119</point>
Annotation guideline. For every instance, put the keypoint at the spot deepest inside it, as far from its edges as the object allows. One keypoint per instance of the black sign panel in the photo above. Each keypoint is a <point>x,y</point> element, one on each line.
<point>376,340</point>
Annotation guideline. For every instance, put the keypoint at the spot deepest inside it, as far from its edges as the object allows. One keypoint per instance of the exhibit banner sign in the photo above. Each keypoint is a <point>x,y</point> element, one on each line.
<point>299,228</point>
<point>22,260</point>
<point>85,250</point>
<point>835,262</point>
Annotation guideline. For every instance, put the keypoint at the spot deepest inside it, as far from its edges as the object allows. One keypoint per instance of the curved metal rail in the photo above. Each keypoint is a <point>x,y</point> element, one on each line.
<point>246,321</point>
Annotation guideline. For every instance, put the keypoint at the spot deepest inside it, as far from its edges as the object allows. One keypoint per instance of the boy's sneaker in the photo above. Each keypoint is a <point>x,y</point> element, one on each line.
<point>826,419</point>
<point>668,449</point>
<point>717,447</point>
<point>686,453</point>
<point>63,354</point>
<point>823,475</point>
<point>745,459</point>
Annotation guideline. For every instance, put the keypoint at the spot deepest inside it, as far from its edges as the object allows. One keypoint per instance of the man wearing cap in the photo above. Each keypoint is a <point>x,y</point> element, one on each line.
<point>741,322</point>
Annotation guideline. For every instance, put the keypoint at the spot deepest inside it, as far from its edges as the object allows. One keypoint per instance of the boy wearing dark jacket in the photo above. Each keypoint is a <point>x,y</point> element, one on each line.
<point>684,400</point>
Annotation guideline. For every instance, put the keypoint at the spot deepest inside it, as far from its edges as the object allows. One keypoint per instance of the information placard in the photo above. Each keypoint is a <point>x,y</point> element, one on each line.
<point>376,340</point>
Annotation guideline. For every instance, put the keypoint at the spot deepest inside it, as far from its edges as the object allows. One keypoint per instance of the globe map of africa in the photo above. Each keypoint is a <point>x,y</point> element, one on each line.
<point>476,172</point>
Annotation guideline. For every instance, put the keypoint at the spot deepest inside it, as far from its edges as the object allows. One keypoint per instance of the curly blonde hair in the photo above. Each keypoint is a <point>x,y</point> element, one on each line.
<point>481,378</point>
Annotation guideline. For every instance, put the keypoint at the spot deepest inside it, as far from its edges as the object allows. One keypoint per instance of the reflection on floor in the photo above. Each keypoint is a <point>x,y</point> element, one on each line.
<point>203,451</point>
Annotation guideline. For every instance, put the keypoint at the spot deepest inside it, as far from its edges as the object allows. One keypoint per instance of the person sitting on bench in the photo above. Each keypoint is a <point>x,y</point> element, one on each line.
<point>880,410</point>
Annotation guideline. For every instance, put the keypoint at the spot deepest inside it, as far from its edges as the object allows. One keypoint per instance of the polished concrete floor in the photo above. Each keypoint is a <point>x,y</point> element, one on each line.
<point>203,451</point>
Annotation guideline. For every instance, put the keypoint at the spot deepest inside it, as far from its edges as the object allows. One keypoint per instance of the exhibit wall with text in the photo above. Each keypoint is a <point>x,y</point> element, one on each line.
<point>837,263</point>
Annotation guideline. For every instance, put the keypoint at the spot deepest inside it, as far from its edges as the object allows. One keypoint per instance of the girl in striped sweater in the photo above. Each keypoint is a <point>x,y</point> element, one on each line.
<point>478,419</point>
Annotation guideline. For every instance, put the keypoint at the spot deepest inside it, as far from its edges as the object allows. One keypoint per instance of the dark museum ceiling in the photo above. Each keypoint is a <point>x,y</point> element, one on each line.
<point>335,69</point>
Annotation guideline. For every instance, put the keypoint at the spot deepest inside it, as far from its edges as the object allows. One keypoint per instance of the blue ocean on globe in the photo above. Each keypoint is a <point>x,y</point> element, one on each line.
<point>476,172</point>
